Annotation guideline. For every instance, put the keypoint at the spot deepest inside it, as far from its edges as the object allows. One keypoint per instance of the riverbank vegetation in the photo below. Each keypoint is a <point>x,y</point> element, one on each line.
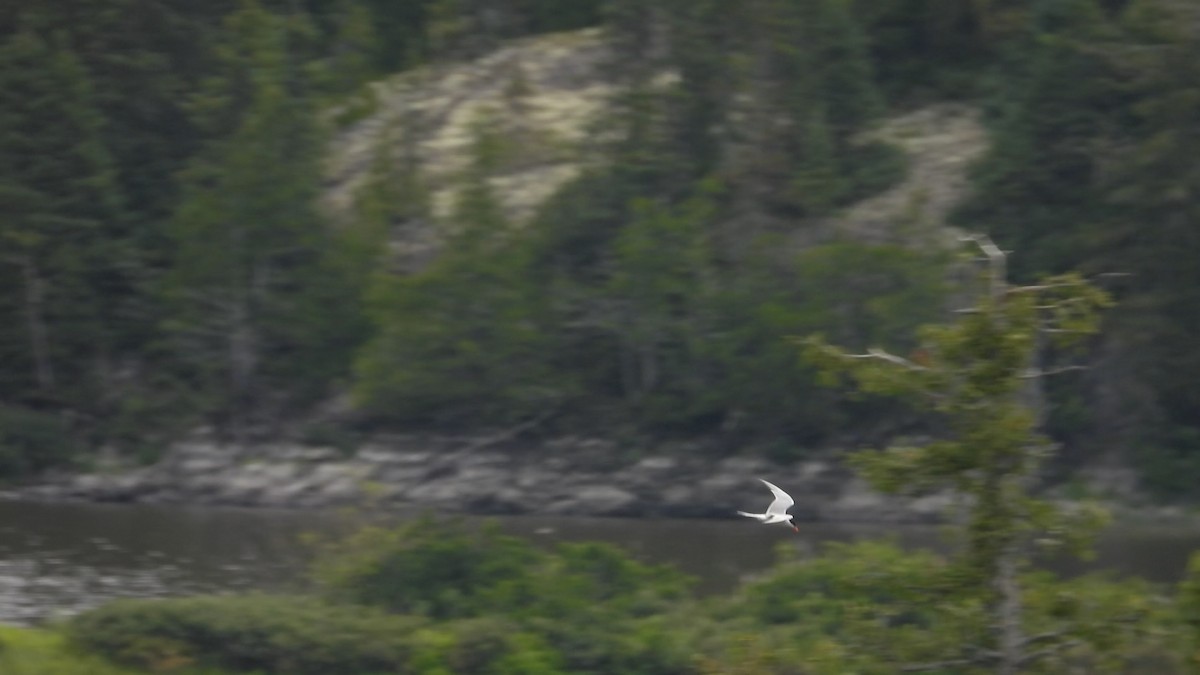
<point>166,264</point>
<point>435,596</point>
<point>441,597</point>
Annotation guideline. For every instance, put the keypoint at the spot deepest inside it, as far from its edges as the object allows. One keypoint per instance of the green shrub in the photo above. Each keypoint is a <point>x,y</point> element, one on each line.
<point>587,607</point>
<point>42,652</point>
<point>430,568</point>
<point>1188,606</point>
<point>444,570</point>
<point>274,634</point>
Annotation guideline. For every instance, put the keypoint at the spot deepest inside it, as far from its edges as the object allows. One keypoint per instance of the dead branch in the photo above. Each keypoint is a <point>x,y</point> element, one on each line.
<point>507,434</point>
<point>940,665</point>
<point>1034,288</point>
<point>1034,373</point>
<point>1063,303</point>
<point>978,656</point>
<point>1044,637</point>
<point>1030,657</point>
<point>882,355</point>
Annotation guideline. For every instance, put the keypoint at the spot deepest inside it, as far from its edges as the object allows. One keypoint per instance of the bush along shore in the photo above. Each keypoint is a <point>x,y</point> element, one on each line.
<point>436,596</point>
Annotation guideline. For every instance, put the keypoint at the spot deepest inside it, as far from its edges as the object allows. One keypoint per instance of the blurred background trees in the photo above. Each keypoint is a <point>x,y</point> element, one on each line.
<point>166,262</point>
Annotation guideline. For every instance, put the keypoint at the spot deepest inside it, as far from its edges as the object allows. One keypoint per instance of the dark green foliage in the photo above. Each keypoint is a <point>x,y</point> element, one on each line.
<point>1156,220</point>
<point>440,597</point>
<point>1092,124</point>
<point>1189,604</point>
<point>413,31</point>
<point>1169,467</point>
<point>463,337</point>
<point>302,636</point>
<point>979,376</point>
<point>250,633</point>
<point>828,591</point>
<point>213,307</point>
<point>429,597</point>
<point>1038,186</point>
<point>163,260</point>
<point>32,441</point>
<point>445,570</point>
<point>64,260</point>
<point>254,264</point>
<point>143,58</point>
<point>872,607</point>
<point>937,49</point>
<point>430,569</point>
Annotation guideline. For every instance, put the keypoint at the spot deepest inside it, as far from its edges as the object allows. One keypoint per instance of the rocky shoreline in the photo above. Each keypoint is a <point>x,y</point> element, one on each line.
<point>570,476</point>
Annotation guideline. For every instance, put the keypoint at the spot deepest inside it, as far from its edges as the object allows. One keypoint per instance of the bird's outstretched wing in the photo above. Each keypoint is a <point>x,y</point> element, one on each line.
<point>782,503</point>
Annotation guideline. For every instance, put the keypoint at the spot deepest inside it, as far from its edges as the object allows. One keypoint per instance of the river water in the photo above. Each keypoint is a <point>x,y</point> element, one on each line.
<point>59,558</point>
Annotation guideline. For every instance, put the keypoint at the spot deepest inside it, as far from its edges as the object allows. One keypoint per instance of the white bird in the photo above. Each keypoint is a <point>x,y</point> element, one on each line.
<point>777,511</point>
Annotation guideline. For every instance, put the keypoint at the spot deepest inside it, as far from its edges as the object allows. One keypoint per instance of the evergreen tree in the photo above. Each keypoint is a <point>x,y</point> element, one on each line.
<point>462,338</point>
<point>808,89</point>
<point>980,377</point>
<point>143,58</point>
<point>1153,233</point>
<point>349,58</point>
<point>658,308</point>
<point>1038,188</point>
<point>62,251</point>
<point>247,237</point>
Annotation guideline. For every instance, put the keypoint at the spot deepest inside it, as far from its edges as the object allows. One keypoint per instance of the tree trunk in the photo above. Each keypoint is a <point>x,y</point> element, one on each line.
<point>243,357</point>
<point>1009,638</point>
<point>35,323</point>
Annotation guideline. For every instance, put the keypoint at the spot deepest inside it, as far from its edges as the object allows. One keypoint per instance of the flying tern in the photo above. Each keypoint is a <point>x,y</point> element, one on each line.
<point>777,511</point>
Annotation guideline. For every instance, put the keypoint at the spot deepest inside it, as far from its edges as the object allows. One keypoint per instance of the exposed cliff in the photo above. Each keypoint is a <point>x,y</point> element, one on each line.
<point>547,95</point>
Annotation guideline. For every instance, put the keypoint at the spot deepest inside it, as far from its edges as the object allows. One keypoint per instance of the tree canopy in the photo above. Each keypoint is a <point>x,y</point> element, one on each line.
<point>167,263</point>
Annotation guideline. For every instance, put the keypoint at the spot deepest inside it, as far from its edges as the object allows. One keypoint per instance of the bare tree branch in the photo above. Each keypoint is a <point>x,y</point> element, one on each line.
<point>509,433</point>
<point>1030,657</point>
<point>1045,287</point>
<point>1063,303</point>
<point>882,355</point>
<point>940,665</point>
<point>1033,373</point>
<point>978,656</point>
<point>1045,637</point>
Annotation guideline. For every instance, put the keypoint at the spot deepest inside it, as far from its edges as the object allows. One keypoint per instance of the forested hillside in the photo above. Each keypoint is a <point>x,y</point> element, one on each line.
<point>175,251</point>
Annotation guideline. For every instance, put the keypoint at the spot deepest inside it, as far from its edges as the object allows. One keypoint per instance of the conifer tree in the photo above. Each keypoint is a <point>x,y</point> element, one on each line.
<point>980,377</point>
<point>62,209</point>
<point>1153,208</point>
<point>350,58</point>
<point>1038,186</point>
<point>247,236</point>
<point>462,337</point>
<point>658,314</point>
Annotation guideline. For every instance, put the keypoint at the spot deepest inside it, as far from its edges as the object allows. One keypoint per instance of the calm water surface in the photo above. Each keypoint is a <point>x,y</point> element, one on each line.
<point>57,559</point>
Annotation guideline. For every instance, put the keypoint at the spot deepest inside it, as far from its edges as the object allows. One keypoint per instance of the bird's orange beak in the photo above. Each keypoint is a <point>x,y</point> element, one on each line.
<point>795,529</point>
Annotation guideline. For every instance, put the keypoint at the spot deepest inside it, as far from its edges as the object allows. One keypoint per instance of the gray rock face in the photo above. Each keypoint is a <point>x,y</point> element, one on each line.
<point>568,476</point>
